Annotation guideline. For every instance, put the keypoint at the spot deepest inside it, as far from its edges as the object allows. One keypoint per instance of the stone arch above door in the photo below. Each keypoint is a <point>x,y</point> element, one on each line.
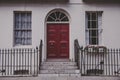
<point>57,16</point>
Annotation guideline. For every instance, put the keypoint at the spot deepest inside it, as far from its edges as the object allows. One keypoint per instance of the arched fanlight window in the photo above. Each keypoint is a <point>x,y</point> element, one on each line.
<point>57,16</point>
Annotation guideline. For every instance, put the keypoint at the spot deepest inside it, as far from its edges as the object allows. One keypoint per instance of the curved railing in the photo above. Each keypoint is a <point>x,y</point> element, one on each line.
<point>77,50</point>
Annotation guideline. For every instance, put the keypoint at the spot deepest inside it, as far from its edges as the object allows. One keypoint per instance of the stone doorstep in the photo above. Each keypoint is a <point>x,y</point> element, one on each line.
<point>58,63</point>
<point>58,67</point>
<point>59,75</point>
<point>58,60</point>
<point>59,71</point>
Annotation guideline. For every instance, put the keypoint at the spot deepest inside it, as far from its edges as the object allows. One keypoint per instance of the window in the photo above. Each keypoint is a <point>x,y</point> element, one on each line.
<point>22,28</point>
<point>93,27</point>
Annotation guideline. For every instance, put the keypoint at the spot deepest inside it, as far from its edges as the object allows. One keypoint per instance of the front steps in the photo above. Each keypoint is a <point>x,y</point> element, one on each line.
<point>59,67</point>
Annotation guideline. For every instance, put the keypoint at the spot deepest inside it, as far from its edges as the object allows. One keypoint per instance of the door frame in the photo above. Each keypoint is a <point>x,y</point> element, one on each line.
<point>45,31</point>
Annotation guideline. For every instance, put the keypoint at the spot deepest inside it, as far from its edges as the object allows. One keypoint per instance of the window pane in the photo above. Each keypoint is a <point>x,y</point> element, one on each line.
<point>94,24</point>
<point>22,28</point>
<point>88,16</point>
<point>94,16</point>
<point>94,41</point>
<point>57,14</point>
<point>50,19</point>
<point>65,19</point>
<point>94,33</point>
<point>89,26</point>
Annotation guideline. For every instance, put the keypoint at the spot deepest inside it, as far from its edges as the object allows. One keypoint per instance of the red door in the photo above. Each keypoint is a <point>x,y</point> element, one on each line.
<point>57,40</point>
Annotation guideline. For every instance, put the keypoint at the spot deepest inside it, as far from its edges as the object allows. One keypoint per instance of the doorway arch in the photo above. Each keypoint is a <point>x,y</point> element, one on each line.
<point>57,34</point>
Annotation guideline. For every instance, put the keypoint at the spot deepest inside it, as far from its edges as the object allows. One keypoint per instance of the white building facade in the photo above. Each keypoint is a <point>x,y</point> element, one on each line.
<point>58,24</point>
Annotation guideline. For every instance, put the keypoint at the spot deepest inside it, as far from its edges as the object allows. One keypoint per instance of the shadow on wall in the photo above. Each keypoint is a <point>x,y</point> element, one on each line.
<point>34,1</point>
<point>101,1</point>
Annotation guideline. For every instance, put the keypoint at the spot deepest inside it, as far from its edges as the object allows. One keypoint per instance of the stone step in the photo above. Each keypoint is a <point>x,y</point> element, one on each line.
<point>59,75</point>
<point>59,71</point>
<point>58,67</point>
<point>58,63</point>
<point>58,60</point>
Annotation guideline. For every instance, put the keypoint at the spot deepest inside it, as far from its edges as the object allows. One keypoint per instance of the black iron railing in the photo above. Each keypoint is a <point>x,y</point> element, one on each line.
<point>20,61</point>
<point>98,61</point>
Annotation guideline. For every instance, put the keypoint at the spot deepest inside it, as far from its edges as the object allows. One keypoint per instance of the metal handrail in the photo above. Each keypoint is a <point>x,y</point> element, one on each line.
<point>40,53</point>
<point>77,49</point>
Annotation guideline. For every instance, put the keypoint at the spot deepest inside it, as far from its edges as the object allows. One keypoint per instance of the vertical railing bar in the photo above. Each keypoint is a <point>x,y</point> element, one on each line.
<point>40,53</point>
<point>2,59</point>
<point>102,65</point>
<point>98,61</point>
<point>82,51</point>
<point>92,56</point>
<point>28,60</point>
<point>117,51</point>
<point>95,60</point>
<point>106,59</point>
<point>104,53</point>
<point>8,63</point>
<point>25,52</point>
<point>89,51</point>
<point>87,59</point>
<point>14,60</point>
<point>81,61</point>
<point>37,58</point>
<point>11,62</point>
<point>78,57</point>
<point>17,51</point>
<point>31,61</point>
<point>96,52</point>
<point>112,52</point>
<point>82,65</point>
<point>22,60</point>
<point>5,61</point>
<point>114,61</point>
<point>91,67</point>
<point>109,60</point>
<point>84,61</point>
<point>34,61</point>
<point>117,59</point>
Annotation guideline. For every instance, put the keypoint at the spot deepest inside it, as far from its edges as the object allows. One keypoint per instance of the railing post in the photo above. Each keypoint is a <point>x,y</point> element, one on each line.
<point>40,53</point>
<point>37,59</point>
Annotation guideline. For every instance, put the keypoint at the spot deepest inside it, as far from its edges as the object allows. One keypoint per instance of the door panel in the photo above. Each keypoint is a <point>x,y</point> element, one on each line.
<point>64,40</point>
<point>52,41</point>
<point>58,41</point>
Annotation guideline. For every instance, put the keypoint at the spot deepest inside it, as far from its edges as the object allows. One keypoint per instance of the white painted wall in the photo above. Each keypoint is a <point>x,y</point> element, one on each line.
<point>76,10</point>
